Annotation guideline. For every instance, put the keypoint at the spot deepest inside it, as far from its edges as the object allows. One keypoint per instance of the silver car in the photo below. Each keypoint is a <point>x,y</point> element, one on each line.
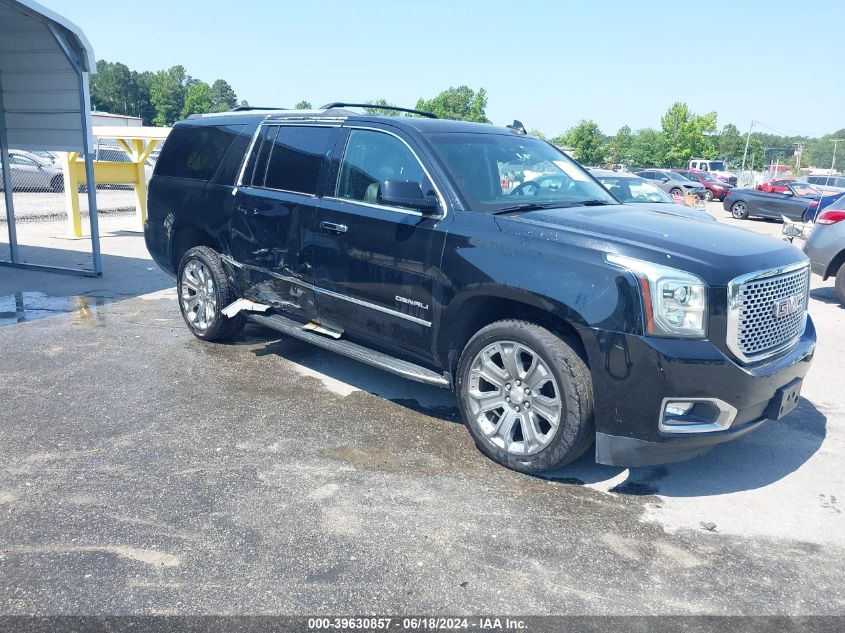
<point>673,183</point>
<point>826,246</point>
<point>631,189</point>
<point>30,172</point>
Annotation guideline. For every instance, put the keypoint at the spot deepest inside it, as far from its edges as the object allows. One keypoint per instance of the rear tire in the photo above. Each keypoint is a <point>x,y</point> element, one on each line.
<point>203,291</point>
<point>840,284</point>
<point>526,396</point>
<point>739,210</point>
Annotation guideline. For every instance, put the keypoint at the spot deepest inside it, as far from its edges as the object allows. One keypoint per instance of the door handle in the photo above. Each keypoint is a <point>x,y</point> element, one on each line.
<point>331,227</point>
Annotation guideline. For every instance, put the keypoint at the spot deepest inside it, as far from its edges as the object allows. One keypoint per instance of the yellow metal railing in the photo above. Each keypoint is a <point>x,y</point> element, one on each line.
<point>138,143</point>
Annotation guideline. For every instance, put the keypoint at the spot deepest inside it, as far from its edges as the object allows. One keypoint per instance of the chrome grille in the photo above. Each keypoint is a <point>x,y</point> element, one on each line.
<point>767,312</point>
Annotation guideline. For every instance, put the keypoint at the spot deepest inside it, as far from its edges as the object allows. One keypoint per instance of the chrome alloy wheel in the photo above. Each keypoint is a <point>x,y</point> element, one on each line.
<point>198,295</point>
<point>739,210</point>
<point>514,398</point>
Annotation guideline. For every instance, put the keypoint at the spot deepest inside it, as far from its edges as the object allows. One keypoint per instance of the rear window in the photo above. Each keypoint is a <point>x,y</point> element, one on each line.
<point>290,158</point>
<point>195,152</point>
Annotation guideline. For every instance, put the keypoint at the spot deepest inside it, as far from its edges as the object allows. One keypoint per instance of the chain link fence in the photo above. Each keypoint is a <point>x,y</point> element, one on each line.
<point>38,189</point>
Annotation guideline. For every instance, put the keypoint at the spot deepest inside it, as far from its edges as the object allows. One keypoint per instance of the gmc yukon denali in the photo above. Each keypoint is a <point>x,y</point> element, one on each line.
<point>483,259</point>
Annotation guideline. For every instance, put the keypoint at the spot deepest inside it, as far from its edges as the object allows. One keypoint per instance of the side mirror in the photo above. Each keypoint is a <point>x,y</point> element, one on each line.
<point>788,192</point>
<point>664,179</point>
<point>402,193</point>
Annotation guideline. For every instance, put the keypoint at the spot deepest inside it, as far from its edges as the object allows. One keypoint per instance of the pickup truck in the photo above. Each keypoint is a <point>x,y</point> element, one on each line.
<point>558,316</point>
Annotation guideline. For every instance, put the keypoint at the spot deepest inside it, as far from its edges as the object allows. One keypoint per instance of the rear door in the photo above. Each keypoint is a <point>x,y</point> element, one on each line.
<point>378,264</point>
<point>274,212</point>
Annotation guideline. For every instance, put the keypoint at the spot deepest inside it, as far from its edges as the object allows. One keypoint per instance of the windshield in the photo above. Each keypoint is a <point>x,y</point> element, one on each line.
<point>804,190</point>
<point>635,190</point>
<point>717,165</point>
<point>838,204</point>
<point>495,172</point>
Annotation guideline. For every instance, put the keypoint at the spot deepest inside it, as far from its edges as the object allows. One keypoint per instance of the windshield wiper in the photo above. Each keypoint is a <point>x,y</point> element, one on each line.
<point>595,203</point>
<point>527,206</point>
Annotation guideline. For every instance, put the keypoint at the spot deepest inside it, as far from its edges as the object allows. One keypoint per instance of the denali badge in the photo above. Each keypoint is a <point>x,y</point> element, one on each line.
<point>787,306</point>
<point>411,302</point>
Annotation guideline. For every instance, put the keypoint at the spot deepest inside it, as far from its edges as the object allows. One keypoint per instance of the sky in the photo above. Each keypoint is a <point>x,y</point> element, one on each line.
<point>548,64</point>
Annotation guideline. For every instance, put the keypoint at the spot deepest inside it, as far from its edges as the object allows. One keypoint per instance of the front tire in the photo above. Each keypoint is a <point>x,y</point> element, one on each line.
<point>203,291</point>
<point>526,396</point>
<point>739,210</point>
<point>676,192</point>
<point>57,184</point>
<point>708,196</point>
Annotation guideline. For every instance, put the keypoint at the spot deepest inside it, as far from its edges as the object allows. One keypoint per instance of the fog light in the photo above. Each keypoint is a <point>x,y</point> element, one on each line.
<point>695,415</point>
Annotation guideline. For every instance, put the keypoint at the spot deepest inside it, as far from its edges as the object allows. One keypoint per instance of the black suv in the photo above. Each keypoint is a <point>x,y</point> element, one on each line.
<point>483,259</point>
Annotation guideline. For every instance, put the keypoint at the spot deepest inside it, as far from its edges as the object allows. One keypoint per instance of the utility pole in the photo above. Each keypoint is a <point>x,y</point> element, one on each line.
<point>799,152</point>
<point>747,141</point>
<point>836,142</point>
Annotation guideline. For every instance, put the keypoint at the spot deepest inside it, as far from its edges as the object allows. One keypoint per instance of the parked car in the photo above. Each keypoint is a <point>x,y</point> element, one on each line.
<point>799,202</point>
<point>557,315</point>
<point>826,245</point>
<point>717,168</point>
<point>775,186</point>
<point>631,189</point>
<point>673,183</point>
<point>715,189</point>
<point>827,181</point>
<point>30,172</point>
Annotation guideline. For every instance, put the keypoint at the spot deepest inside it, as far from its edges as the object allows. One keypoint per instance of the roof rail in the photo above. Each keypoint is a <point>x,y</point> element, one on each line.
<point>339,104</point>
<point>246,108</point>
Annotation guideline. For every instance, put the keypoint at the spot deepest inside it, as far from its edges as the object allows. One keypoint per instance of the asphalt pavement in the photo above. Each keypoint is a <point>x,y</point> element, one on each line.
<point>144,471</point>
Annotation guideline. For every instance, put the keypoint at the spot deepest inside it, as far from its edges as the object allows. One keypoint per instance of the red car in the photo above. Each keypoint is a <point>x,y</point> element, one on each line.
<point>715,189</point>
<point>775,186</point>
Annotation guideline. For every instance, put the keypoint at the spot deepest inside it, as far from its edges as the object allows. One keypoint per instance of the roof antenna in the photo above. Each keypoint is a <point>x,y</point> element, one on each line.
<point>517,127</point>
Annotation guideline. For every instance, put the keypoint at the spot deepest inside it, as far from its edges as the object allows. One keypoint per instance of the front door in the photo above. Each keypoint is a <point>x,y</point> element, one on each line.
<point>274,212</point>
<point>378,263</point>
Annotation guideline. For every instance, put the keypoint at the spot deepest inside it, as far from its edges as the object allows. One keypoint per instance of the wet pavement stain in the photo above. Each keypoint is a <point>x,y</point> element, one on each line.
<point>29,306</point>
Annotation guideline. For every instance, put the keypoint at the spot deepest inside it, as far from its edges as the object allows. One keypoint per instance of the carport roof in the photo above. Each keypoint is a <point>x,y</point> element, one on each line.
<point>44,96</point>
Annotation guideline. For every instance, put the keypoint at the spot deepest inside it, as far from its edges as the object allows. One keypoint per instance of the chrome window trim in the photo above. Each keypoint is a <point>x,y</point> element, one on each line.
<point>383,207</point>
<point>330,293</point>
<point>733,311</point>
<point>440,198</point>
<point>727,414</point>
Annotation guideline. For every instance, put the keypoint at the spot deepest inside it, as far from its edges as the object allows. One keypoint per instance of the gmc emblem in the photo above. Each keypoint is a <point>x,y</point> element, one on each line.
<point>787,306</point>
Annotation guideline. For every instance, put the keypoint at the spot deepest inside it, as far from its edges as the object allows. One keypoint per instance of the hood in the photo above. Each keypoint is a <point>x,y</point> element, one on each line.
<point>676,209</point>
<point>715,252</point>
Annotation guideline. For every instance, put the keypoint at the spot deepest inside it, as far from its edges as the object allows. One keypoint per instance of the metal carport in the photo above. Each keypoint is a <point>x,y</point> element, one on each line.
<point>45,61</point>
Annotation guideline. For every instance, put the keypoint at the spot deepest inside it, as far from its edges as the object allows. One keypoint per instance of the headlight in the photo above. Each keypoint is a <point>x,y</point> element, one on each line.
<point>675,302</point>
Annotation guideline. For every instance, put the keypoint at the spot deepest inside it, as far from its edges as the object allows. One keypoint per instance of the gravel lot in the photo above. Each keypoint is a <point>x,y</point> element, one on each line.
<point>143,471</point>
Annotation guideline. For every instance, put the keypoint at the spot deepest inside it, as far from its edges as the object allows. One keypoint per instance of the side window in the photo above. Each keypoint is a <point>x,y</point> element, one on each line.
<point>194,152</point>
<point>231,164</point>
<point>17,159</point>
<point>372,157</point>
<point>295,159</point>
<point>647,174</point>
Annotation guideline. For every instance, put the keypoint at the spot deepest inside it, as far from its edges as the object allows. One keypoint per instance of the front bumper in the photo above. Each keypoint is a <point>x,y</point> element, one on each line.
<point>633,374</point>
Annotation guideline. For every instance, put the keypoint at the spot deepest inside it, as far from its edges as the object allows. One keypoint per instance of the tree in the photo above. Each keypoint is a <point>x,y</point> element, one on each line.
<point>731,144</point>
<point>648,149</point>
<point>197,99</point>
<point>376,108</point>
<point>684,134</point>
<point>461,103</point>
<point>586,141</point>
<point>167,92</point>
<point>223,97</point>
<point>303,105</point>
<point>619,147</point>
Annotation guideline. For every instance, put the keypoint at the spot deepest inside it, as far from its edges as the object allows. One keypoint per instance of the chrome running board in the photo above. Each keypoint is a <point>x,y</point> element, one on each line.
<point>352,350</point>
